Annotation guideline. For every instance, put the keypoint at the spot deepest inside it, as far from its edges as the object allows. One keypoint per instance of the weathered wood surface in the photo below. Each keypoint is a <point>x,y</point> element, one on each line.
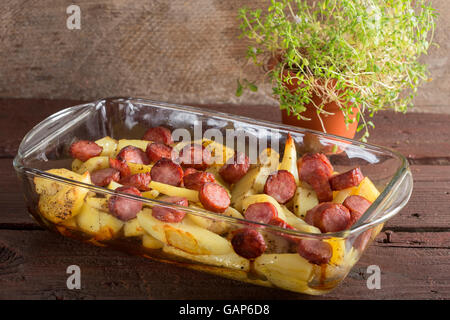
<point>174,50</point>
<point>414,264</point>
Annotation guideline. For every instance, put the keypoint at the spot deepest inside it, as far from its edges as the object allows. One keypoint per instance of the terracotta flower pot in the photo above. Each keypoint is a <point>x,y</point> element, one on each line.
<point>333,124</point>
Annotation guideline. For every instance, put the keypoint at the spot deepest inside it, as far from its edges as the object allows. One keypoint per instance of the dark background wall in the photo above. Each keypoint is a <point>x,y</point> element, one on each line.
<point>177,51</point>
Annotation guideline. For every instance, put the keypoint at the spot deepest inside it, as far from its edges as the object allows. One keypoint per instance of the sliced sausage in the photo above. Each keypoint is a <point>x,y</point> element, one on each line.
<point>357,205</point>
<point>262,212</point>
<point>362,240</point>
<point>195,156</point>
<point>328,217</point>
<point>316,170</point>
<point>315,251</point>
<point>158,134</point>
<point>84,150</point>
<point>138,180</point>
<point>281,186</point>
<point>248,243</point>
<point>123,208</point>
<point>156,151</point>
<point>133,154</point>
<point>196,179</point>
<point>122,166</point>
<point>347,179</point>
<point>235,168</point>
<point>103,177</point>
<point>188,171</point>
<point>214,197</point>
<point>166,171</point>
<point>169,214</point>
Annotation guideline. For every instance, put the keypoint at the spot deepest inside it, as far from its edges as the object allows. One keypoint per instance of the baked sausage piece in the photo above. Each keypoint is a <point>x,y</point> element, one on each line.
<point>195,156</point>
<point>262,212</point>
<point>123,208</point>
<point>138,180</point>
<point>197,179</point>
<point>235,168</point>
<point>357,205</point>
<point>315,169</point>
<point>281,186</point>
<point>122,166</point>
<point>214,197</point>
<point>133,154</point>
<point>156,151</point>
<point>315,251</point>
<point>103,177</point>
<point>84,150</point>
<point>158,134</point>
<point>166,171</point>
<point>347,179</point>
<point>248,243</point>
<point>168,214</point>
<point>329,217</point>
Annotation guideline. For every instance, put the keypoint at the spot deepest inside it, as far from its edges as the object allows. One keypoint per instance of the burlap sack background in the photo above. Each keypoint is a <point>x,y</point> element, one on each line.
<point>177,51</point>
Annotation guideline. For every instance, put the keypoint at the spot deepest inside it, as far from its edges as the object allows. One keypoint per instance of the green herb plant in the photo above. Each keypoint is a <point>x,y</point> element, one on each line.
<point>358,53</point>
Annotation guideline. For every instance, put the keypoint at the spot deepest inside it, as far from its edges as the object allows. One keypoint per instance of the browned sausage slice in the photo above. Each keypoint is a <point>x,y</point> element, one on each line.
<point>103,177</point>
<point>84,150</point>
<point>158,134</point>
<point>123,208</point>
<point>316,170</point>
<point>328,217</point>
<point>357,205</point>
<point>214,197</point>
<point>351,178</point>
<point>133,154</point>
<point>235,168</point>
<point>138,180</point>
<point>315,251</point>
<point>157,150</point>
<point>248,243</point>
<point>196,179</point>
<point>169,214</point>
<point>168,172</point>
<point>262,212</point>
<point>122,166</point>
<point>281,186</point>
<point>195,156</point>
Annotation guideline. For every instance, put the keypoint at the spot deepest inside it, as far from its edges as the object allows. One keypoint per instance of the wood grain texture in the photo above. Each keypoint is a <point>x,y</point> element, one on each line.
<point>179,51</point>
<point>28,271</point>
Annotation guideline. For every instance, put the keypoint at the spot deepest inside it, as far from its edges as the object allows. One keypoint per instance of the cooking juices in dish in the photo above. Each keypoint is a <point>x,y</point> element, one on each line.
<point>267,202</point>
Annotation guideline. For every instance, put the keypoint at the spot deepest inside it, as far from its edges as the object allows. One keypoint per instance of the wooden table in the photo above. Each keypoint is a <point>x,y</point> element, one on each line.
<point>415,263</point>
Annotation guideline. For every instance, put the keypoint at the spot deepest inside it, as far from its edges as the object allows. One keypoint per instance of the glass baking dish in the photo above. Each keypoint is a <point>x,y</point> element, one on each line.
<point>46,147</point>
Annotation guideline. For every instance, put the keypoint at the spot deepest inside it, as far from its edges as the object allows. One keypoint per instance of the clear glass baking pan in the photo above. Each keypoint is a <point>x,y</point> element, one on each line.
<point>46,147</point>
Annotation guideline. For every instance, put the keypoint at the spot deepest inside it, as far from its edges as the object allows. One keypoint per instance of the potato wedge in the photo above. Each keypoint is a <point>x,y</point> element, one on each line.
<point>152,194</point>
<point>88,219</point>
<point>236,202</point>
<point>113,185</point>
<point>109,146</point>
<point>304,200</point>
<point>338,246</point>
<point>285,270</point>
<point>132,228</point>
<point>368,190</point>
<point>122,143</point>
<point>76,165</point>
<point>97,203</point>
<point>136,168</point>
<point>341,195</point>
<point>95,163</point>
<point>215,225</point>
<point>59,201</point>
<point>289,161</point>
<point>263,198</point>
<point>191,195</point>
<point>184,235</point>
<point>150,242</point>
<point>219,152</point>
<point>297,222</point>
<point>230,260</point>
<point>109,226</point>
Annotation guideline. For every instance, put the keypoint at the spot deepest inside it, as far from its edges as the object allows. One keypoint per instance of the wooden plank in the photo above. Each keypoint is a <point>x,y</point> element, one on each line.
<point>424,138</point>
<point>425,210</point>
<point>33,265</point>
